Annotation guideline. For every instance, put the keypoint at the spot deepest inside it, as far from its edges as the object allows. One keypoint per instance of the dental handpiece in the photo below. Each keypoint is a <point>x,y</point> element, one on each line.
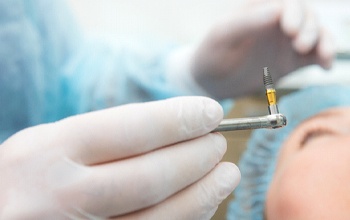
<point>273,120</point>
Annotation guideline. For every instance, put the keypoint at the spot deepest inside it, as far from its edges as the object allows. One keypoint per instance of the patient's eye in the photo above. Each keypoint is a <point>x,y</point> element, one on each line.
<point>323,124</point>
<point>312,134</point>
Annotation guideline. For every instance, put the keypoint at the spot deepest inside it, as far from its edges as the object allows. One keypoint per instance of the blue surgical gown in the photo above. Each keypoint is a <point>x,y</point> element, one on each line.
<point>50,70</point>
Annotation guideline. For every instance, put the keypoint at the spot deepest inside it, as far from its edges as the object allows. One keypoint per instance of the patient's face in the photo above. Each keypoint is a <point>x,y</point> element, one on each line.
<point>312,178</point>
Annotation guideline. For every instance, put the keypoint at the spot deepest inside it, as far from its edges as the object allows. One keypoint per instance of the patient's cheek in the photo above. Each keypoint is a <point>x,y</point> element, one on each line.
<point>313,184</point>
<point>283,201</point>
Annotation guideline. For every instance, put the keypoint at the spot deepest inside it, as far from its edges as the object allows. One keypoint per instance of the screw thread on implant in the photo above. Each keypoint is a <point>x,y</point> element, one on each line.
<point>267,79</point>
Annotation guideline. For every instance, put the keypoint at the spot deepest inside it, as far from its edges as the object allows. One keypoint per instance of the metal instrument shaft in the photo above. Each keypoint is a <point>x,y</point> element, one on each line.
<point>268,121</point>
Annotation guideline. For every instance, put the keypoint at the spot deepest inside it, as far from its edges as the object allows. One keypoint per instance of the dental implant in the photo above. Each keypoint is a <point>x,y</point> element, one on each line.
<point>273,120</point>
<point>270,92</point>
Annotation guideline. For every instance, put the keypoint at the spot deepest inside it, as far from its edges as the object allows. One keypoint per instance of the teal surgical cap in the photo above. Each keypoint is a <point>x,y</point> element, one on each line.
<point>258,162</point>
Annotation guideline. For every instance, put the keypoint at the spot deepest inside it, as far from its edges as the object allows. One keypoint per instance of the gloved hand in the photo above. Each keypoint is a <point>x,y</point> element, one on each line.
<point>153,160</point>
<point>281,34</point>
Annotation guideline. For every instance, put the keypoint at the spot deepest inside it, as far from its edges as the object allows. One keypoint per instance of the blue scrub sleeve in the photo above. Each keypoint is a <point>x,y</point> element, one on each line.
<point>49,70</point>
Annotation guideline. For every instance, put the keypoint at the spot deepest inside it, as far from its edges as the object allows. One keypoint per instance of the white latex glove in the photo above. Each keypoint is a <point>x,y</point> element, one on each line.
<point>141,161</point>
<point>280,34</point>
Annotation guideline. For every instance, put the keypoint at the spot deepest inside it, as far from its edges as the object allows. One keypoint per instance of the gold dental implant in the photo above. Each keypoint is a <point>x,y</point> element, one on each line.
<point>270,92</point>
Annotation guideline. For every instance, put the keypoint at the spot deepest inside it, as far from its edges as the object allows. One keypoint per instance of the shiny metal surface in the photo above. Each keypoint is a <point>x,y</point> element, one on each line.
<point>268,121</point>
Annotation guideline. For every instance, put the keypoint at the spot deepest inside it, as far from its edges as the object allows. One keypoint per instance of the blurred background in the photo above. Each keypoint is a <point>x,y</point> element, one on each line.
<point>187,21</point>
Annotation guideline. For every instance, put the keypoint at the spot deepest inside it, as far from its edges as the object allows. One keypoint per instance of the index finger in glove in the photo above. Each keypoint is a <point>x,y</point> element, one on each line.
<point>252,19</point>
<point>133,129</point>
<point>292,17</point>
